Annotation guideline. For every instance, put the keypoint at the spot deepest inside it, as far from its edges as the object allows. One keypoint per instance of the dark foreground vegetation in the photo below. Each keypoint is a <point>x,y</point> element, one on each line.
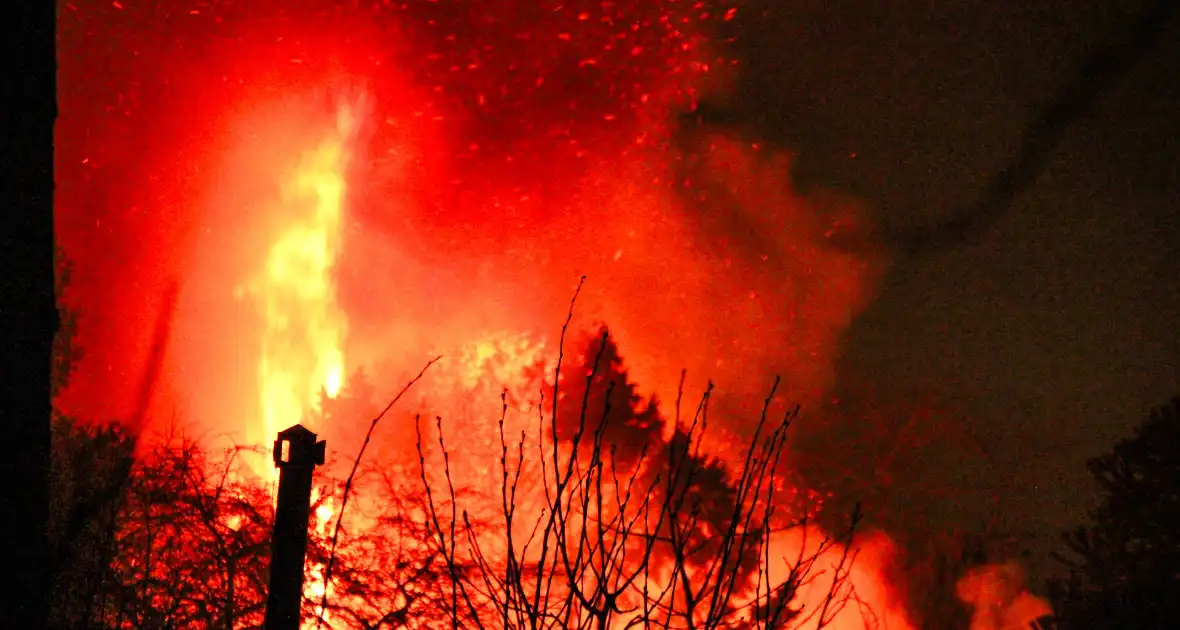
<point>596,519</point>
<point>1124,564</point>
<point>633,528</point>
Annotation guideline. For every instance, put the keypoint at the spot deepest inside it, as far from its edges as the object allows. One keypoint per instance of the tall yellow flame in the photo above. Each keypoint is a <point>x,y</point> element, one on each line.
<point>301,353</point>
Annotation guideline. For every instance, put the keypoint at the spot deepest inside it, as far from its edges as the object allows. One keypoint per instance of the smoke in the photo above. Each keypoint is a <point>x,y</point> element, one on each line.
<point>999,599</point>
<point>508,149</point>
<point>508,153</point>
<point>491,180</point>
<point>734,287</point>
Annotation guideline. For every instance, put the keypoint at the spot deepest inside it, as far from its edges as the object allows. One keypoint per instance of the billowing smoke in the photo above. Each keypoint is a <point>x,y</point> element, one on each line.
<point>505,149</point>
<point>999,598</point>
<point>507,152</point>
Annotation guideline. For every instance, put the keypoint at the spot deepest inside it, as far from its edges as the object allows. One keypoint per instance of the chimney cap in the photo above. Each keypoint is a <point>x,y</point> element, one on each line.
<point>297,432</point>
<point>297,446</point>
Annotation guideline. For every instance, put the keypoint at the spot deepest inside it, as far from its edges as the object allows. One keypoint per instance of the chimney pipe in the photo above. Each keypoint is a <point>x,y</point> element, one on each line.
<point>296,454</point>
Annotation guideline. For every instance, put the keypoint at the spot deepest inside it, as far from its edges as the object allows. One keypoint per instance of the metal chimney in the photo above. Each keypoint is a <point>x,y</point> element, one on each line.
<point>296,454</point>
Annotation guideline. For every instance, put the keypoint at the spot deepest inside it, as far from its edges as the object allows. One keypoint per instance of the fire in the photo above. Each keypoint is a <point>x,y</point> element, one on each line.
<point>999,599</point>
<point>535,159</point>
<point>301,354</point>
<point>317,586</point>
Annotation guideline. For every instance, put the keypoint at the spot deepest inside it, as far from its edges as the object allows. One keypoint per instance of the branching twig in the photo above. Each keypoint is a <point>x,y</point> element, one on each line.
<point>348,485</point>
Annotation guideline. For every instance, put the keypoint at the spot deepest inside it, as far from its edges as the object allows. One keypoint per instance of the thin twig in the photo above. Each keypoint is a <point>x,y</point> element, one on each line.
<point>348,485</point>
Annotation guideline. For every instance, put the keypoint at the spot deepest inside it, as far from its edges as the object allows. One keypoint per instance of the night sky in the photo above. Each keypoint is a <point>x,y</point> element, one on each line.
<point>1054,331</point>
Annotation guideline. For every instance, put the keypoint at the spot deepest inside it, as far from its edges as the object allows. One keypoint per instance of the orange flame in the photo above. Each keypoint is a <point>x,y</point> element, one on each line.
<point>999,598</point>
<point>316,586</point>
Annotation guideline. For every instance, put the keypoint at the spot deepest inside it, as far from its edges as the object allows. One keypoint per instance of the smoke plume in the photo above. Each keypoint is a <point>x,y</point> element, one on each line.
<point>505,154</point>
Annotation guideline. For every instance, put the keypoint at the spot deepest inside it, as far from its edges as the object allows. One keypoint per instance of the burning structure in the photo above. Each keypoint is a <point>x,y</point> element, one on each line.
<point>342,191</point>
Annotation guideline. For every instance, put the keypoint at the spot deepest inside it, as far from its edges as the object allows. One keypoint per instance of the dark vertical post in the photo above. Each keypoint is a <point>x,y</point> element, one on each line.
<point>29,326</point>
<point>296,454</point>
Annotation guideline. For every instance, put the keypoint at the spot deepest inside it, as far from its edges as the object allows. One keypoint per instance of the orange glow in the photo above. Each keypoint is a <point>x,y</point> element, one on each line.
<point>314,588</point>
<point>999,599</point>
<point>487,190</point>
<point>871,603</point>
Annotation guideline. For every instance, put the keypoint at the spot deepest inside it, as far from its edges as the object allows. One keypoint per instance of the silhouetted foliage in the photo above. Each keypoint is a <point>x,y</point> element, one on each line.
<point>597,395</point>
<point>171,533</point>
<point>87,462</point>
<point>599,400</point>
<point>83,506</point>
<point>184,542</point>
<point>637,529</point>
<point>1125,572</point>
<point>637,524</point>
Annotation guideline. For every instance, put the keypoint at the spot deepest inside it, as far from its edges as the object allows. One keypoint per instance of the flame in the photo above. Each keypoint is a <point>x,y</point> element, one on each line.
<point>301,352</point>
<point>999,598</point>
<point>316,585</point>
<point>619,133</point>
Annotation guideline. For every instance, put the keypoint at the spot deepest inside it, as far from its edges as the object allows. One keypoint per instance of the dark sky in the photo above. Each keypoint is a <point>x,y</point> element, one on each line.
<point>1055,330</point>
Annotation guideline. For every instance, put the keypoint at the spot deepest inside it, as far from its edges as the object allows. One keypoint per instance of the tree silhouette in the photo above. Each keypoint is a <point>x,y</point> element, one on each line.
<point>84,482</point>
<point>638,529</point>
<point>1127,570</point>
<point>598,395</point>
